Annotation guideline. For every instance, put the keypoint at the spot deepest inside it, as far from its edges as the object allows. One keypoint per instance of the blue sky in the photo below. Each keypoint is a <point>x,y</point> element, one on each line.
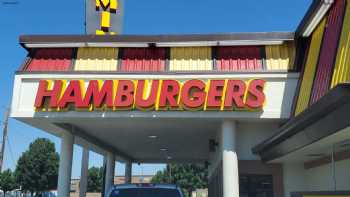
<point>141,17</point>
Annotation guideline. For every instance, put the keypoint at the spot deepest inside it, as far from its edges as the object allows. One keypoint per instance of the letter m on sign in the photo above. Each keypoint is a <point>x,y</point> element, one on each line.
<point>105,8</point>
<point>105,4</point>
<point>104,16</point>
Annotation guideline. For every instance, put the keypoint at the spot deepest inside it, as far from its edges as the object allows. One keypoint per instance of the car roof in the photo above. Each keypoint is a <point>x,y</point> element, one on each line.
<point>145,185</point>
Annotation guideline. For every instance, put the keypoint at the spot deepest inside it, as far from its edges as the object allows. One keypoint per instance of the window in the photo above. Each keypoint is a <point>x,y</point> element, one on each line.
<point>255,186</point>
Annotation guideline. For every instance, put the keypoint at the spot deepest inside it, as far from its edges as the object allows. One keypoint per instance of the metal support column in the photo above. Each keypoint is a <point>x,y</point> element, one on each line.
<point>229,159</point>
<point>110,169</point>
<point>128,172</point>
<point>84,172</point>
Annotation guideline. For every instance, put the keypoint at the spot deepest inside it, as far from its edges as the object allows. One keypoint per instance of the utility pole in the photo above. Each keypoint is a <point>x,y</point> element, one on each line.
<point>4,137</point>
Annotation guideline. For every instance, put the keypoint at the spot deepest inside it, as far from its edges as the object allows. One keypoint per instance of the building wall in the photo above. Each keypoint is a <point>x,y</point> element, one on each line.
<point>297,178</point>
<point>248,135</point>
<point>293,178</point>
<point>320,178</point>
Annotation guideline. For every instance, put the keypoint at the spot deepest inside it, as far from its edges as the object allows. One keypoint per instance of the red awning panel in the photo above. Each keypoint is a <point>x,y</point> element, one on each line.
<point>50,60</point>
<point>143,59</point>
<point>243,58</point>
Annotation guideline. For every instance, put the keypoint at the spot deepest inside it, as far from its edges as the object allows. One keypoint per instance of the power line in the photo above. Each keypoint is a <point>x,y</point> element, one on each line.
<point>9,2</point>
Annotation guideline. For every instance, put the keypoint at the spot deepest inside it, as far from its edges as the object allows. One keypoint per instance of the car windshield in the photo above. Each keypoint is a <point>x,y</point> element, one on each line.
<point>145,192</point>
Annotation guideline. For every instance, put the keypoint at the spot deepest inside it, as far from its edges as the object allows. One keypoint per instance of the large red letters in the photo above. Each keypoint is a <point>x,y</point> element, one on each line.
<point>43,93</point>
<point>98,96</point>
<point>215,94</point>
<point>234,94</point>
<point>72,95</point>
<point>150,101</point>
<point>192,94</point>
<point>218,94</point>
<point>169,94</point>
<point>125,94</point>
<point>255,95</point>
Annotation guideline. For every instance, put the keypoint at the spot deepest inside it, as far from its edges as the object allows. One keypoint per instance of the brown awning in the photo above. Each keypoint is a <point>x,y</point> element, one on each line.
<point>324,118</point>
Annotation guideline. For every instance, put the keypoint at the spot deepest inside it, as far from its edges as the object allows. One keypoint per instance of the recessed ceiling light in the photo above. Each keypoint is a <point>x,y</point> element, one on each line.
<point>163,149</point>
<point>152,136</point>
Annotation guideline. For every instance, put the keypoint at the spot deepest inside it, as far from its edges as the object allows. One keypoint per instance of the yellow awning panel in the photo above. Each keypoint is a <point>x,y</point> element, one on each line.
<point>310,68</point>
<point>341,72</point>
<point>190,59</point>
<point>96,59</point>
<point>280,57</point>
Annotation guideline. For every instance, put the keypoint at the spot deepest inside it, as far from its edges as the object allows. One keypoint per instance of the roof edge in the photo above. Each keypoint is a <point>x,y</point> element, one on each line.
<point>184,40</point>
<point>313,17</point>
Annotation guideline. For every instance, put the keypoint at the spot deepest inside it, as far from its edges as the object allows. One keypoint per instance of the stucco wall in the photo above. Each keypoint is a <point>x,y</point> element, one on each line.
<point>293,178</point>
<point>248,135</point>
<point>296,178</point>
<point>251,134</point>
<point>320,178</point>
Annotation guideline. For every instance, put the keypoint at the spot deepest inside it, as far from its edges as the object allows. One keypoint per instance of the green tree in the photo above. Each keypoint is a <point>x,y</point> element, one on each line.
<point>37,168</point>
<point>7,181</point>
<point>95,179</point>
<point>188,176</point>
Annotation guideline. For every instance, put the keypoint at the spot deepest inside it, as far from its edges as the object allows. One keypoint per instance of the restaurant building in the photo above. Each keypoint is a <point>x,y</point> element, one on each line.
<point>267,113</point>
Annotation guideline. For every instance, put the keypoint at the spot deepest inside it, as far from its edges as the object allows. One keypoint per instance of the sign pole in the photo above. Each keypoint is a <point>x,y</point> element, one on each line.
<point>4,137</point>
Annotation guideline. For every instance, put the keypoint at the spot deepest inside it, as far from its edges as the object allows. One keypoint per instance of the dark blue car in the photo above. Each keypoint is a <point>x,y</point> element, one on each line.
<point>145,190</point>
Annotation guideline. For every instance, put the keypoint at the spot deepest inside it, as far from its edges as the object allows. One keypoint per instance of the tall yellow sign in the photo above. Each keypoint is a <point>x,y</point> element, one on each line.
<point>106,8</point>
